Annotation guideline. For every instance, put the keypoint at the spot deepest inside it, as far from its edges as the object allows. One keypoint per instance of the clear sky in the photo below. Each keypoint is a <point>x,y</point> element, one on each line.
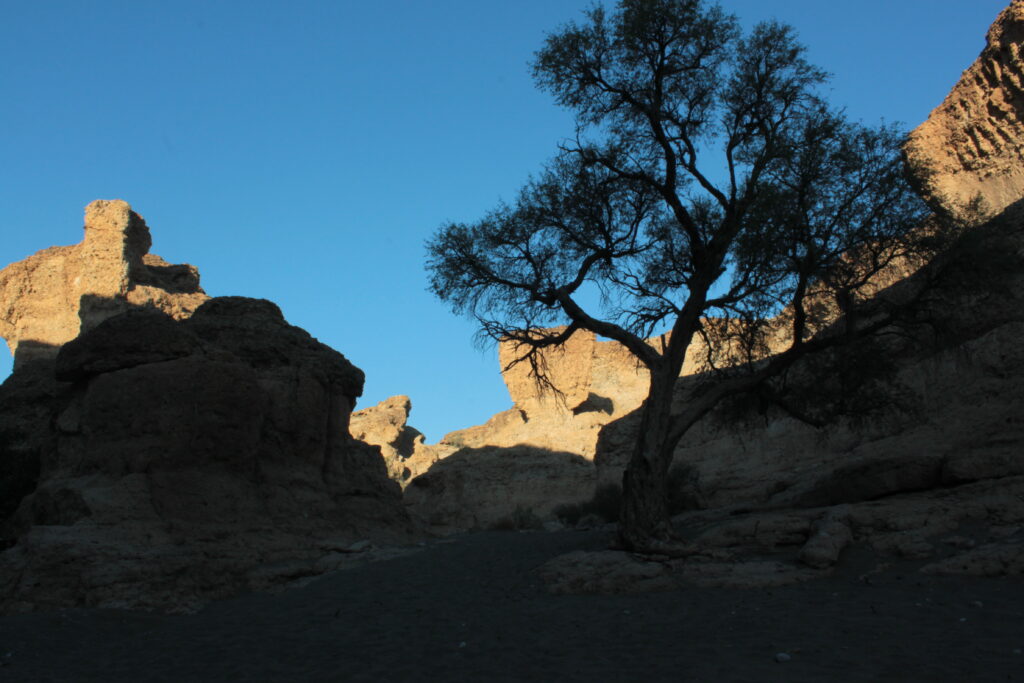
<point>303,151</point>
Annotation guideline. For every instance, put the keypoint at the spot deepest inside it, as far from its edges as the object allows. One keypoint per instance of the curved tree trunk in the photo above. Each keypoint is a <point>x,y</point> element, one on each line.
<point>645,523</point>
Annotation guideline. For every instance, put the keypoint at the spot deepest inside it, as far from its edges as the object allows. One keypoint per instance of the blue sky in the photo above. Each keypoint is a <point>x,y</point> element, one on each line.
<point>303,151</point>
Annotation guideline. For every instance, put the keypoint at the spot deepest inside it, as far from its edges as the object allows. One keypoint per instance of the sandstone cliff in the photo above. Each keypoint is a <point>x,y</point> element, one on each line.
<point>48,298</point>
<point>972,144</point>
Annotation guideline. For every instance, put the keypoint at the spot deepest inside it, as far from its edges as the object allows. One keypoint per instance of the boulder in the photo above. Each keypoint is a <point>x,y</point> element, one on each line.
<point>193,459</point>
<point>589,383</point>
<point>830,535</point>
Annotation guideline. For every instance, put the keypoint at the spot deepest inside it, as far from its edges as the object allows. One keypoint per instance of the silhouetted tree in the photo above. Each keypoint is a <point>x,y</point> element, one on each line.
<point>709,192</point>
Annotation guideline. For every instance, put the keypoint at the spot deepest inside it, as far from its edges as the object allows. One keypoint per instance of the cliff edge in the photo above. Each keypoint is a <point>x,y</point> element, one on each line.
<point>970,147</point>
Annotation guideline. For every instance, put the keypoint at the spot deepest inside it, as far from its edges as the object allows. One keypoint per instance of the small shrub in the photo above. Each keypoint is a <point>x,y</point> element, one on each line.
<point>606,504</point>
<point>569,513</point>
<point>522,519</point>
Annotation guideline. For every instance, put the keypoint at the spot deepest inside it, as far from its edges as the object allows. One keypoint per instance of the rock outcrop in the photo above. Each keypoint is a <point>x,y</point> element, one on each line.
<point>194,459</point>
<point>972,144</point>
<point>53,295</point>
<point>595,382</point>
<point>385,425</point>
<point>527,461</point>
<point>159,448</point>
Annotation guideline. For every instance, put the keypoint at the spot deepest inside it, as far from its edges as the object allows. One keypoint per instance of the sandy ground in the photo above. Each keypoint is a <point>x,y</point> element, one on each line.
<point>472,609</point>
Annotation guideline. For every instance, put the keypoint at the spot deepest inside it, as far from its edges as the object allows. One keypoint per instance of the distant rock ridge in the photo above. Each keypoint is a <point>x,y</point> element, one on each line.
<point>50,297</point>
<point>972,145</point>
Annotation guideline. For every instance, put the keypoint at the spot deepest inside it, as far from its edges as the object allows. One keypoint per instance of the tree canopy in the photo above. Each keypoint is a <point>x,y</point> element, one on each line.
<point>709,191</point>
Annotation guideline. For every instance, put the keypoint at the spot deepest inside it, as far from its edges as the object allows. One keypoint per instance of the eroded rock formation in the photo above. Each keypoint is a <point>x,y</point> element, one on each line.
<point>48,298</point>
<point>159,448</point>
<point>385,425</point>
<point>595,383</point>
<point>972,144</point>
<point>193,459</point>
<point>537,456</point>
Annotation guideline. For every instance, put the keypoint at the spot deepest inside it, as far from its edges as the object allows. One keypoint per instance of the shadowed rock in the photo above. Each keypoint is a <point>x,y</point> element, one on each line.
<point>185,460</point>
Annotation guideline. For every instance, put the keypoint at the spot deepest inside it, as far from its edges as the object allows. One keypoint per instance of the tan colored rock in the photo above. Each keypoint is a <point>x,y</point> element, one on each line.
<point>972,144</point>
<point>534,457</point>
<point>53,295</point>
<point>567,367</point>
<point>385,425</point>
<point>593,383</point>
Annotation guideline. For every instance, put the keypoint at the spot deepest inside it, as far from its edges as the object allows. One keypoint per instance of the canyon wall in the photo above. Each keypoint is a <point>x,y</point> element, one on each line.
<point>972,144</point>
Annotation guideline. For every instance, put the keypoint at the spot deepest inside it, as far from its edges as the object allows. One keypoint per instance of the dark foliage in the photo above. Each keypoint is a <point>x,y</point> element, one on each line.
<point>709,192</point>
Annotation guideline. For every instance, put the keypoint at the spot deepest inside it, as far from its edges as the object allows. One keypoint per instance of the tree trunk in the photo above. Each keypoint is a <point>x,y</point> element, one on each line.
<point>645,524</point>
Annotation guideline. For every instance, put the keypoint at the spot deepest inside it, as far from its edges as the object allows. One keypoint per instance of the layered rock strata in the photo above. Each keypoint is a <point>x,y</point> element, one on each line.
<point>972,144</point>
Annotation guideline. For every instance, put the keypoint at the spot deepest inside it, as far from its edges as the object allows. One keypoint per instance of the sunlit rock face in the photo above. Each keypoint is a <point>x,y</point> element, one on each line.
<point>50,297</point>
<point>385,425</point>
<point>589,383</point>
<point>972,144</point>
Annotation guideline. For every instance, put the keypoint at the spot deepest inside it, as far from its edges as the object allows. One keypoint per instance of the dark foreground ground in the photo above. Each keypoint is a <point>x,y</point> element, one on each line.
<point>473,610</point>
